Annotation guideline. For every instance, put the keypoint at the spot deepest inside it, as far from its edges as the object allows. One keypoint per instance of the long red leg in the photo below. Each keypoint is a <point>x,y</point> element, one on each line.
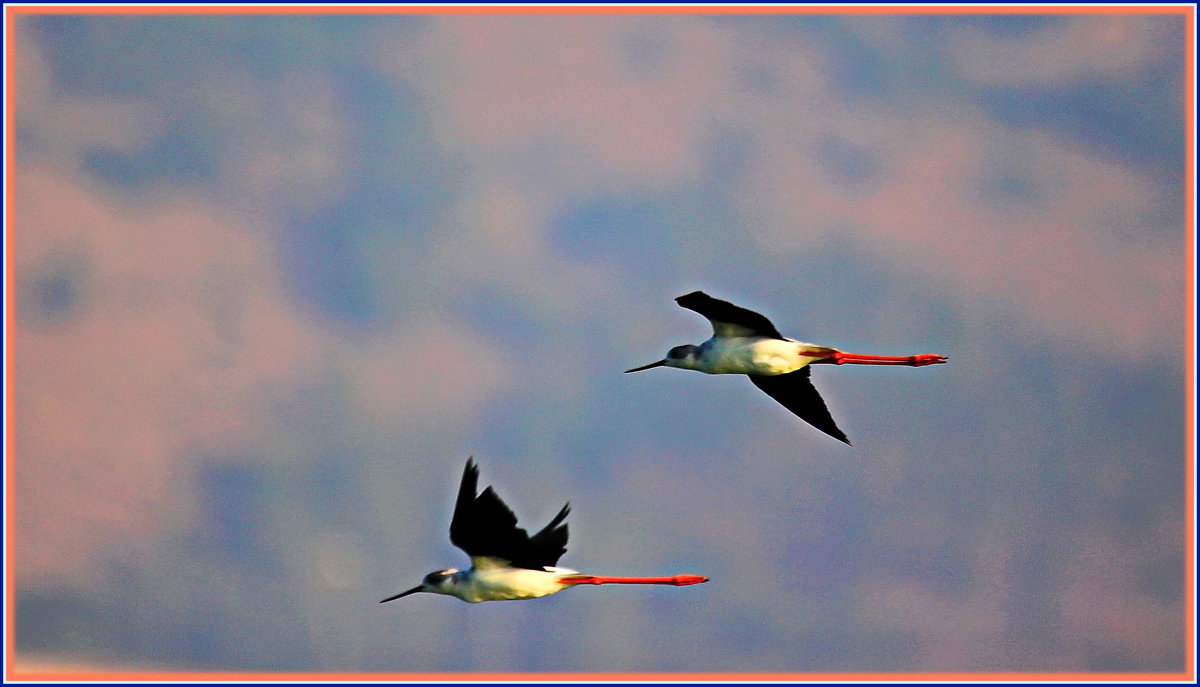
<point>676,580</point>
<point>843,358</point>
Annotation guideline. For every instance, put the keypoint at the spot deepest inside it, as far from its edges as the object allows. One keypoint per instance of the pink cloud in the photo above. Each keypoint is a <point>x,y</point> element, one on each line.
<point>179,332</point>
<point>181,335</point>
<point>1084,262</point>
<point>1104,601</point>
<point>506,81</point>
<point>430,374</point>
<point>60,123</point>
<point>1062,52</point>
<point>292,141</point>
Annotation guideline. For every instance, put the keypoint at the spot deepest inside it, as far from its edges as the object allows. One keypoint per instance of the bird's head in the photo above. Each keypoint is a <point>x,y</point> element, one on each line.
<point>437,582</point>
<point>680,356</point>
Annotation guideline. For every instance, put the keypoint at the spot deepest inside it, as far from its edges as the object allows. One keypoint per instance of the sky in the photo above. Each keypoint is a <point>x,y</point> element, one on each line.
<point>273,278</point>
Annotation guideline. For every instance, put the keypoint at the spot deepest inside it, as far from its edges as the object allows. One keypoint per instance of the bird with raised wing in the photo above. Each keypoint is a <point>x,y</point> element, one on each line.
<point>507,563</point>
<point>745,342</point>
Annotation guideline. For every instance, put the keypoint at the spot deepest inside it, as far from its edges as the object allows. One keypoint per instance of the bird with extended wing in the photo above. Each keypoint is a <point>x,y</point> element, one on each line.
<point>745,342</point>
<point>507,563</point>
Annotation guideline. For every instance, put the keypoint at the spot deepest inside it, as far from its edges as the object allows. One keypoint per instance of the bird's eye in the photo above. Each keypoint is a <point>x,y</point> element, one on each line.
<point>679,352</point>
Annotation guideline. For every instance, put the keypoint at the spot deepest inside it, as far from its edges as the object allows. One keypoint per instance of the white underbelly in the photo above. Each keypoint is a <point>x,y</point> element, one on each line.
<point>755,357</point>
<point>515,583</point>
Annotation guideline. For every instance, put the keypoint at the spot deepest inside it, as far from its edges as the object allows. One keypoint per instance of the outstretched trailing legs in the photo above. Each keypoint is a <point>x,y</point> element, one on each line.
<point>676,580</point>
<point>842,358</point>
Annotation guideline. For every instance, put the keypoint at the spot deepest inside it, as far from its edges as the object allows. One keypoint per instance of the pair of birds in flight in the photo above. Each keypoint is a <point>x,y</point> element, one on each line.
<point>507,563</point>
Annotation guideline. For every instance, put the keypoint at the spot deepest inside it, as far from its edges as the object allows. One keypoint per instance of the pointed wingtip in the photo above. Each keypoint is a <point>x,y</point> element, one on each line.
<point>837,433</point>
<point>688,300</point>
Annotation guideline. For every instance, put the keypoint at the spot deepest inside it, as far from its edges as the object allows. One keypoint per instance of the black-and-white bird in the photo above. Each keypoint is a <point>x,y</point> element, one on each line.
<point>507,563</point>
<point>745,342</point>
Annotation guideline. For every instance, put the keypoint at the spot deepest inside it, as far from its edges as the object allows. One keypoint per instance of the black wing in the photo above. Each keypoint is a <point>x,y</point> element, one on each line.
<point>550,544</point>
<point>484,526</point>
<point>728,319</point>
<point>796,392</point>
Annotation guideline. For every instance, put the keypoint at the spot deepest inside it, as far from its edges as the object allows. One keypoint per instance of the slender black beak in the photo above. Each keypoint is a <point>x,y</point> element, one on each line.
<point>414,590</point>
<point>647,367</point>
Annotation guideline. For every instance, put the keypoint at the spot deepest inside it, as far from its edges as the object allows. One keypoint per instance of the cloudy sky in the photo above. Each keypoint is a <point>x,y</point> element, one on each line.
<point>274,278</point>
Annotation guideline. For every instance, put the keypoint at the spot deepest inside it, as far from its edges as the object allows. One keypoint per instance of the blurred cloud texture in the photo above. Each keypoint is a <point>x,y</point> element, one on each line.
<point>274,277</point>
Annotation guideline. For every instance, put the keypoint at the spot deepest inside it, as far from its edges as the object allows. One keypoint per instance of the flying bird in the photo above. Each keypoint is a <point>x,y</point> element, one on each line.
<point>745,342</point>
<point>507,563</point>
